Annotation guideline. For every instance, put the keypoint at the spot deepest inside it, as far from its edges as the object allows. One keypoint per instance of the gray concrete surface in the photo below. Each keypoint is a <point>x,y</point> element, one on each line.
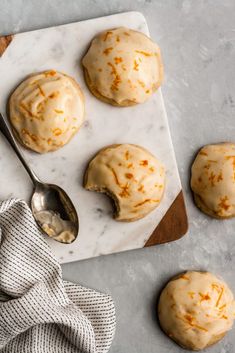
<point>197,39</point>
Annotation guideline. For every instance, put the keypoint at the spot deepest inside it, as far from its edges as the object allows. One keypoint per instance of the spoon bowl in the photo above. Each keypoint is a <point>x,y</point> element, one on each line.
<point>52,208</point>
<point>54,212</point>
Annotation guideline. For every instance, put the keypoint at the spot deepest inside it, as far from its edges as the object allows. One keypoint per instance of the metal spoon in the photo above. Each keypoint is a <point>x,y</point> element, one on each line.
<point>48,200</point>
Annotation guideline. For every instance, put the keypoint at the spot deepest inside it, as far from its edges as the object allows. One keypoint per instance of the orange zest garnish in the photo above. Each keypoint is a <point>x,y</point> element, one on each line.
<point>136,66</point>
<point>53,95</point>
<point>189,320</point>
<point>223,203</point>
<point>220,296</point>
<point>233,158</point>
<point>145,201</point>
<point>215,286</point>
<point>212,178</point>
<point>144,162</point>
<point>32,136</point>
<point>127,155</point>
<point>108,50</point>
<point>22,105</point>
<point>204,296</point>
<point>115,83</point>
<point>41,90</point>
<point>50,73</point>
<point>145,53</point>
<point>115,176</point>
<point>199,327</point>
<point>108,33</point>
<point>117,79</point>
<point>141,83</point>
<point>124,192</point>
<point>117,60</point>
<point>222,307</point>
<point>129,175</point>
<point>219,177</point>
<point>114,71</point>
<point>141,188</point>
<point>57,132</point>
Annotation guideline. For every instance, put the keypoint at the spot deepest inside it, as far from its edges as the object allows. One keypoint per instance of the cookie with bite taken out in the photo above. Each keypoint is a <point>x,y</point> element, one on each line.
<point>131,176</point>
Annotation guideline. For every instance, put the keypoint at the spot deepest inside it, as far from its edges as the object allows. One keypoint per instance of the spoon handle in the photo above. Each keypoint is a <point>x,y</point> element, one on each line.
<point>5,130</point>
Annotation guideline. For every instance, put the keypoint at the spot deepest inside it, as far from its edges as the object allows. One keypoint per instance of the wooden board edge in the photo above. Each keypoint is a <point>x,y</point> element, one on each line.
<point>173,225</point>
<point>4,43</point>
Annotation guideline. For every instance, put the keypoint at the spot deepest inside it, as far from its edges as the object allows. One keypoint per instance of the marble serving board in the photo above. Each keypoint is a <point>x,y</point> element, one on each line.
<point>61,48</point>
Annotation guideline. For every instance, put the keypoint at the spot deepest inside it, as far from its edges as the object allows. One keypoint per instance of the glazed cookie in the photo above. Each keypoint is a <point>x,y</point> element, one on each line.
<point>196,309</point>
<point>213,180</point>
<point>46,110</point>
<point>123,67</point>
<point>131,176</point>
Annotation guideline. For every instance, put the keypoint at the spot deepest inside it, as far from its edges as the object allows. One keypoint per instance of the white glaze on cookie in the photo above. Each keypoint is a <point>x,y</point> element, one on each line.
<point>213,179</point>
<point>46,110</point>
<point>124,66</point>
<point>196,309</point>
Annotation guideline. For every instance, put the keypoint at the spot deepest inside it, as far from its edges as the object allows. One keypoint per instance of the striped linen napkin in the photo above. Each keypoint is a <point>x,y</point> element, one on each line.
<point>39,312</point>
